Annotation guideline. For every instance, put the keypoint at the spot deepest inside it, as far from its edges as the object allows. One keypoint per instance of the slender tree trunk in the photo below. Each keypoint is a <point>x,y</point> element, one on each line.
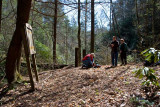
<point>137,15</point>
<point>114,29</point>
<point>92,26</point>
<point>116,24</point>
<point>0,14</point>
<point>114,19</point>
<point>79,31</point>
<point>33,6</point>
<point>85,38</point>
<point>137,25</point>
<point>14,51</point>
<point>113,22</point>
<point>110,17</point>
<point>153,20</point>
<point>55,33</point>
<point>146,24</point>
<point>66,44</point>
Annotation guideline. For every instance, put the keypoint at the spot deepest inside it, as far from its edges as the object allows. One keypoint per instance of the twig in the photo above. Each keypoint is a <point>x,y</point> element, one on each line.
<point>2,60</point>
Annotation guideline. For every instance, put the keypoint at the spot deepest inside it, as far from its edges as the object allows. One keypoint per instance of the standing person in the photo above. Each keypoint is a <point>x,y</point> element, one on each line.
<point>123,52</point>
<point>88,61</point>
<point>114,52</point>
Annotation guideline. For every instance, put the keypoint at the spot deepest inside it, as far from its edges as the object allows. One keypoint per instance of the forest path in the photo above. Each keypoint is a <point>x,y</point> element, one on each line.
<point>71,87</point>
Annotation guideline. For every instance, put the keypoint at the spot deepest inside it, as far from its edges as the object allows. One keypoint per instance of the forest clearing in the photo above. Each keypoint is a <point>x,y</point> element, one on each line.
<point>75,87</point>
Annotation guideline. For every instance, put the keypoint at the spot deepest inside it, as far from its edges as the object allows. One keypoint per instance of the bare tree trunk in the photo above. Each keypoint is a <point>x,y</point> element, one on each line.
<point>55,33</point>
<point>113,22</point>
<point>33,5</point>
<point>114,19</point>
<point>92,26</point>
<point>0,14</point>
<point>79,31</point>
<point>153,20</point>
<point>14,51</point>
<point>66,44</point>
<point>110,23</point>
<point>85,41</point>
<point>137,25</point>
<point>146,25</point>
<point>116,24</point>
<point>137,12</point>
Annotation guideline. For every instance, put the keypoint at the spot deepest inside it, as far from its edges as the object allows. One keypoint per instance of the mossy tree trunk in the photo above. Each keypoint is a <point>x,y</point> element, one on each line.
<point>14,51</point>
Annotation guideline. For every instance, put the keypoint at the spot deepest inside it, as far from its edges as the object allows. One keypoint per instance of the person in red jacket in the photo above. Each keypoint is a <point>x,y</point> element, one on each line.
<point>88,61</point>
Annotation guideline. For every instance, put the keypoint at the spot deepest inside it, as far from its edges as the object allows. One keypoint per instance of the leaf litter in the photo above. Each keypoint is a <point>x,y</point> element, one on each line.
<point>76,87</point>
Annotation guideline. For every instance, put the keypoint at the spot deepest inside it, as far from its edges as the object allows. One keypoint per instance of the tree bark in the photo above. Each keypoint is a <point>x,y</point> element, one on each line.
<point>111,11</point>
<point>85,33</point>
<point>114,20</point>
<point>66,44</point>
<point>92,26</point>
<point>137,15</point>
<point>79,32</point>
<point>0,14</point>
<point>55,34</point>
<point>110,17</point>
<point>153,20</point>
<point>137,25</point>
<point>14,51</point>
<point>116,24</point>
<point>32,13</point>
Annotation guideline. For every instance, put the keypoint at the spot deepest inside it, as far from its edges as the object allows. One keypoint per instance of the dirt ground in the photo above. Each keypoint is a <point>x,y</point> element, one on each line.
<point>76,87</point>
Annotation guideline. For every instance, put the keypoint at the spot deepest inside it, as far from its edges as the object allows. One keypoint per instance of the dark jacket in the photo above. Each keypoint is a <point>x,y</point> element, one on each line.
<point>115,47</point>
<point>123,47</point>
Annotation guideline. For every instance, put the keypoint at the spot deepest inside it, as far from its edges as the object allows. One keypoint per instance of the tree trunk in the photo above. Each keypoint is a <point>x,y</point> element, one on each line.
<point>85,33</point>
<point>114,20</point>
<point>153,20</point>
<point>0,13</point>
<point>32,13</point>
<point>79,31</point>
<point>14,51</point>
<point>110,17</point>
<point>114,29</point>
<point>137,12</point>
<point>146,25</point>
<point>66,44</point>
<point>55,34</point>
<point>137,25</point>
<point>92,26</point>
<point>116,24</point>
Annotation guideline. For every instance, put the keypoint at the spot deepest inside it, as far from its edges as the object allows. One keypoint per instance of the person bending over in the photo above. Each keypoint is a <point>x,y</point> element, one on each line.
<point>88,61</point>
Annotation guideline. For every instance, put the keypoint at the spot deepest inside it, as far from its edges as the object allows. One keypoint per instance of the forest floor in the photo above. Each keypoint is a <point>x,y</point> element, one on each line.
<point>76,87</point>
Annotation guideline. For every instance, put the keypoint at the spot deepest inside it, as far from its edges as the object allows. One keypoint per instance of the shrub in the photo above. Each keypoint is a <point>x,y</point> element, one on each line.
<point>151,55</point>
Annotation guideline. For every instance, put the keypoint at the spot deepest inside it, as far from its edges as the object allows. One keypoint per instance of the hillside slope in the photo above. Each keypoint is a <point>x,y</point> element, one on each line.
<point>73,87</point>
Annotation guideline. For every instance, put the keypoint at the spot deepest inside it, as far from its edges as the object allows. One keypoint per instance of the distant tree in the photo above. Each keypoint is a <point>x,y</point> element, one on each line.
<point>55,33</point>
<point>92,26</point>
<point>14,51</point>
<point>79,32</point>
<point>85,37</point>
<point>0,13</point>
<point>153,18</point>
